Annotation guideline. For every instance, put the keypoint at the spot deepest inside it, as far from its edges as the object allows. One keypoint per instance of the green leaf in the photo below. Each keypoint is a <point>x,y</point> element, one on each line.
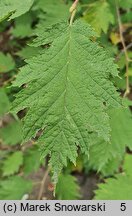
<point>127,17</point>
<point>28,52</point>
<point>32,160</point>
<point>11,134</point>
<point>125,3</point>
<point>128,165</point>
<point>14,8</point>
<point>121,136</point>
<point>23,26</point>
<point>99,15</point>
<point>4,103</point>
<point>14,188</point>
<point>121,123</point>
<point>6,63</point>
<point>12,163</point>
<point>67,188</point>
<point>118,188</point>
<point>68,85</point>
<point>51,11</point>
<point>112,166</point>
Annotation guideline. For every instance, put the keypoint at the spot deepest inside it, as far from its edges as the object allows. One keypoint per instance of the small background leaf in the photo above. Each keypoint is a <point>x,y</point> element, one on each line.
<point>14,188</point>
<point>67,188</point>
<point>32,160</point>
<point>12,163</point>
<point>6,63</point>
<point>13,129</point>
<point>118,188</point>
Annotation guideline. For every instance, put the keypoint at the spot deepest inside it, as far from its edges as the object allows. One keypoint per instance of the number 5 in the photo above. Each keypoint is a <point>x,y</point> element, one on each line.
<point>123,207</point>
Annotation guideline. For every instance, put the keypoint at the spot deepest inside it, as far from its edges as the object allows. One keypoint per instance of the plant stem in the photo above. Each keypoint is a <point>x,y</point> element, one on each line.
<point>122,51</point>
<point>127,91</point>
<point>43,183</point>
<point>73,10</point>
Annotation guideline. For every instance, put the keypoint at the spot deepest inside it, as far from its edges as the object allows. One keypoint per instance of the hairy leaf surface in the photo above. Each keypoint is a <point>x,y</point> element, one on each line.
<point>68,90</point>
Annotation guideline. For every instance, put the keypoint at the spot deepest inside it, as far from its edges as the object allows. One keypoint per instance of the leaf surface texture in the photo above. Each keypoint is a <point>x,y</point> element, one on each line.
<point>68,91</point>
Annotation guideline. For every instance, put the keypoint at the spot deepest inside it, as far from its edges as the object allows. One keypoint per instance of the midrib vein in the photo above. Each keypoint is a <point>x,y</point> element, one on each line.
<point>67,70</point>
